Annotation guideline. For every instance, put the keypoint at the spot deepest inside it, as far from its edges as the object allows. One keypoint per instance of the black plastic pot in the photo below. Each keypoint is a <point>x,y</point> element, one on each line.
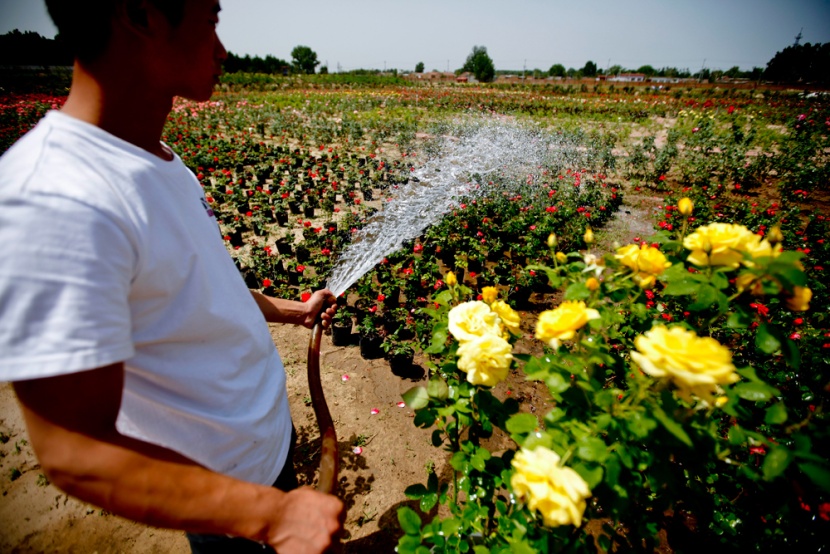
<point>341,334</point>
<point>370,346</point>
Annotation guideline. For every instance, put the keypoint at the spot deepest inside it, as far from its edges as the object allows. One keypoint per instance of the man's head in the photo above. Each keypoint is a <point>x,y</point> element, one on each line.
<point>86,25</point>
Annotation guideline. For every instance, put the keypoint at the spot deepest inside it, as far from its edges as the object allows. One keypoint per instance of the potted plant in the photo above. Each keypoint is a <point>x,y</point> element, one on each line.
<point>341,327</point>
<point>399,353</point>
<point>370,337</point>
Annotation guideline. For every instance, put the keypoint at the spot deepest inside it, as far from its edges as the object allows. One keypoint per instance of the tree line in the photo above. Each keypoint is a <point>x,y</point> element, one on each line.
<point>797,64</point>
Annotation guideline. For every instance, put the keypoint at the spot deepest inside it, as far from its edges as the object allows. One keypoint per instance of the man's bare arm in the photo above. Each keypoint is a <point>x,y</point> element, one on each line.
<point>71,423</point>
<point>279,310</point>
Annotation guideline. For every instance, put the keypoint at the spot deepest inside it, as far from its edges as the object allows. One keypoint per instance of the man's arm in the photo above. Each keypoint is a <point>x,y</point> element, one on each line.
<point>279,310</point>
<point>71,423</point>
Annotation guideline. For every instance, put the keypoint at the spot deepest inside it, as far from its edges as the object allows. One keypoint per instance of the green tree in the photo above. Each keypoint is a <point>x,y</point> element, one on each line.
<point>590,69</point>
<point>557,70</point>
<point>802,63</point>
<point>304,59</point>
<point>419,67</point>
<point>480,64</point>
<point>615,70</point>
<point>647,70</point>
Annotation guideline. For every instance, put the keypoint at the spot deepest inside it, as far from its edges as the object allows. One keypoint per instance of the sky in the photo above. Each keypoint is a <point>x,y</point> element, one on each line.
<point>519,34</point>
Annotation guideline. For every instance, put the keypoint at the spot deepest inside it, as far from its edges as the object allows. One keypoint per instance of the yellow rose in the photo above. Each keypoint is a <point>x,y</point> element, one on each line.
<point>450,279</point>
<point>557,492</point>
<point>760,247</point>
<point>588,237</point>
<point>489,294</point>
<point>563,322</point>
<point>800,300</point>
<point>685,206</point>
<point>552,241</point>
<point>717,244</point>
<point>696,365</point>
<point>485,359</point>
<point>470,320</point>
<point>775,236</point>
<point>508,316</point>
<point>592,284</point>
<point>647,262</point>
<point>561,257</point>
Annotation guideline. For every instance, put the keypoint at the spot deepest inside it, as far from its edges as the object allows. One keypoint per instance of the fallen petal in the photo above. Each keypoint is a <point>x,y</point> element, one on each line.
<point>345,377</point>
<point>401,404</point>
<point>375,411</point>
<point>358,450</point>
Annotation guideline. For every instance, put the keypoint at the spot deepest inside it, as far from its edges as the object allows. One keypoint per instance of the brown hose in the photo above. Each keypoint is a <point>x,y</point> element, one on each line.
<point>329,460</point>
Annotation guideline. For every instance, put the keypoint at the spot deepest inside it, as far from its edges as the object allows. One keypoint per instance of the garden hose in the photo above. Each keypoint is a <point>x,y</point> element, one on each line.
<point>329,460</point>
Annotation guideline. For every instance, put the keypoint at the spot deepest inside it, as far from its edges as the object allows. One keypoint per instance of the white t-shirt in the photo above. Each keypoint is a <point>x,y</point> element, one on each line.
<point>108,254</point>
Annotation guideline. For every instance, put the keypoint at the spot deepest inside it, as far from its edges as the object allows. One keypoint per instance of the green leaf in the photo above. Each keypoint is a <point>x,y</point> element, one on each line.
<point>719,280</point>
<point>591,475</point>
<point>424,418</point>
<point>437,388</point>
<point>765,339</point>
<point>437,438</point>
<point>439,338</point>
<point>776,462</point>
<point>705,297</point>
<point>428,501</point>
<point>681,287</point>
<point>416,398</point>
<point>755,392</point>
<point>592,449</point>
<point>416,491</point>
<point>479,549</point>
<point>409,521</point>
<point>640,425</point>
<point>522,423</point>
<point>738,320</point>
<point>577,291</point>
<point>776,414</point>
<point>818,474</point>
<point>672,426</point>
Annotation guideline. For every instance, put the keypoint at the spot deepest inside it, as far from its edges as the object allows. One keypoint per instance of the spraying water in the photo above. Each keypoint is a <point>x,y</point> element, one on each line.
<point>461,165</point>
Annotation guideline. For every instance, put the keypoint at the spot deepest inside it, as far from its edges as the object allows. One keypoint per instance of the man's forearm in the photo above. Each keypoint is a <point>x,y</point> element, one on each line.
<point>156,486</point>
<point>279,310</point>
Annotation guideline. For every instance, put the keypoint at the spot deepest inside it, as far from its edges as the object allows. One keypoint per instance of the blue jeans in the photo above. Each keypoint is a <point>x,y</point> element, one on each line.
<point>221,544</point>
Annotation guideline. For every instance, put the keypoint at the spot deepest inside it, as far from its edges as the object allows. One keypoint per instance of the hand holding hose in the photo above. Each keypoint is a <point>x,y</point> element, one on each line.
<point>321,307</point>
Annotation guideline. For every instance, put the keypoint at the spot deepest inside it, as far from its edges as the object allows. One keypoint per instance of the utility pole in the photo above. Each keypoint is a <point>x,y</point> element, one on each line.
<point>448,66</point>
<point>798,37</point>
<point>700,75</point>
<point>524,70</point>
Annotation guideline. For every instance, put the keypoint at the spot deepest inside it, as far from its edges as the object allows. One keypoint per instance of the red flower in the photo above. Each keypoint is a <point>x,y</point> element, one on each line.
<point>266,283</point>
<point>305,296</point>
<point>306,224</point>
<point>300,268</point>
<point>381,298</point>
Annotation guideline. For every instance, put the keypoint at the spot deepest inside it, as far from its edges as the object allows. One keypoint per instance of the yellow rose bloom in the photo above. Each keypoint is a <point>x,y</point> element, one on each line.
<point>471,320</point>
<point>775,236</point>
<point>696,365</point>
<point>561,257</point>
<point>592,283</point>
<point>558,493</point>
<point>508,316</point>
<point>552,240</point>
<point>489,294</point>
<point>760,247</point>
<point>646,261</point>
<point>685,206</point>
<point>485,359</point>
<point>717,244</point>
<point>800,300</point>
<point>588,237</point>
<point>563,322</point>
<point>450,279</point>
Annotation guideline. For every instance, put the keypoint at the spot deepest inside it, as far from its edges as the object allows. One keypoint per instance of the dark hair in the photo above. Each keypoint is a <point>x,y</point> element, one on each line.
<point>86,25</point>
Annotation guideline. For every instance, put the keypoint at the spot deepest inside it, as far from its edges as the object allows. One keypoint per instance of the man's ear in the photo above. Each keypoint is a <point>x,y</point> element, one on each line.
<point>136,16</point>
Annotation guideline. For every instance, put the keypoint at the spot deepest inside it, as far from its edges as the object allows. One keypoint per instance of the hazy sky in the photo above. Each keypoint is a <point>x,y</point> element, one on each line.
<point>380,34</point>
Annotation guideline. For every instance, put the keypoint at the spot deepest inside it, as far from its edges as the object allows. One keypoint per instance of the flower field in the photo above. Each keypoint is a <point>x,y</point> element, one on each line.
<point>688,370</point>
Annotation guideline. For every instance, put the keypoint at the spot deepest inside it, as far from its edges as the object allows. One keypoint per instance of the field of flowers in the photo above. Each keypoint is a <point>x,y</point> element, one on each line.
<point>688,370</point>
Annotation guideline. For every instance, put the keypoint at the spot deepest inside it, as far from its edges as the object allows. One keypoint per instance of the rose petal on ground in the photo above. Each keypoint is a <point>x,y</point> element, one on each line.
<point>357,450</point>
<point>375,411</point>
<point>401,404</point>
<point>345,377</point>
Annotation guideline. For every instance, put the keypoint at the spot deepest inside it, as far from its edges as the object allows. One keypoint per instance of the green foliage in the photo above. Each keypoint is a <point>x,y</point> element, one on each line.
<point>304,59</point>
<point>480,64</point>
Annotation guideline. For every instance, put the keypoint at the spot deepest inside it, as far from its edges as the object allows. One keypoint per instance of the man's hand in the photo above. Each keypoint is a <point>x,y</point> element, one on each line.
<point>319,301</point>
<point>307,522</point>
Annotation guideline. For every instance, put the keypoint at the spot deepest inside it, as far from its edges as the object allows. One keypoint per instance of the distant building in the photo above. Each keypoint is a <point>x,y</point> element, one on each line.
<point>629,78</point>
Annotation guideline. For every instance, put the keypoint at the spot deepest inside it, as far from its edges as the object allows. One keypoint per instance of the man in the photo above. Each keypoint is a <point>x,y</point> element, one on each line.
<point>145,370</point>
